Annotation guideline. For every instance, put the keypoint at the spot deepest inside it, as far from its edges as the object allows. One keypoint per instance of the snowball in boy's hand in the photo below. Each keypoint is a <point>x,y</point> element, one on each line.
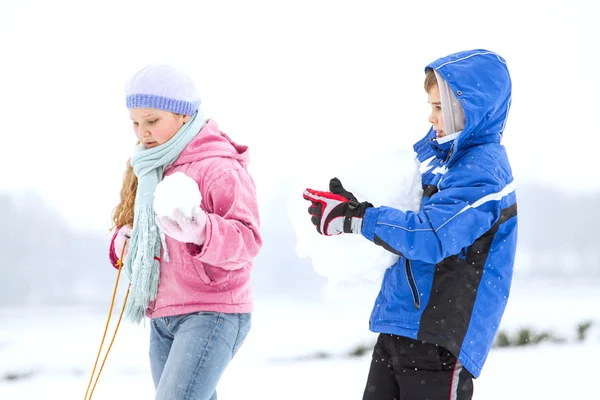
<point>384,177</point>
<point>176,192</point>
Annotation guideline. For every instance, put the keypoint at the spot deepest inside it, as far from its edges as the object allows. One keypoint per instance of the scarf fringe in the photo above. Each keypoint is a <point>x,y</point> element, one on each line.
<point>144,270</point>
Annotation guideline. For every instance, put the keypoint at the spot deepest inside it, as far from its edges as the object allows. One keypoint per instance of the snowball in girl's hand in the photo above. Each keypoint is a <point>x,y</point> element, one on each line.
<point>176,192</point>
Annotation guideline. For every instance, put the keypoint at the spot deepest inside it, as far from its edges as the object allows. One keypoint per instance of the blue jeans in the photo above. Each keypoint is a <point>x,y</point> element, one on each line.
<point>189,353</point>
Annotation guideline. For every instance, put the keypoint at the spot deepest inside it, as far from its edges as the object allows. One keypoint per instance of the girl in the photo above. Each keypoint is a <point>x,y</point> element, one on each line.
<point>191,277</point>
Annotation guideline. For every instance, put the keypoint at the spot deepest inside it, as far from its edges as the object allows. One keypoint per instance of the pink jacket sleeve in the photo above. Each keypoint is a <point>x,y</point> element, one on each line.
<point>112,255</point>
<point>232,228</point>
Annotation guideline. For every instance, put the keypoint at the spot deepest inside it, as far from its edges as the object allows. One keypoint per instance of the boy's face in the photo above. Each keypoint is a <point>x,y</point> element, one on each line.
<point>433,98</point>
<point>154,127</point>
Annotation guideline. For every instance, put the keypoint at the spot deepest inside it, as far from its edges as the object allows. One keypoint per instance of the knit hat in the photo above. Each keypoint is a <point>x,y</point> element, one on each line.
<point>163,87</point>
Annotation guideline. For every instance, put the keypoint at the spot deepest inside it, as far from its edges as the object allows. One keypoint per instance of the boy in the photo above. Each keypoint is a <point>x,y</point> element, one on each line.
<point>440,305</point>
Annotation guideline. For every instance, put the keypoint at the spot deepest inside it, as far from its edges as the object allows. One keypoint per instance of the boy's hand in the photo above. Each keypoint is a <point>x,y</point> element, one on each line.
<point>336,211</point>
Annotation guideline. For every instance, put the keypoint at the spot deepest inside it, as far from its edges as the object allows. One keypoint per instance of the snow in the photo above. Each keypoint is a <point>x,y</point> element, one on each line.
<point>388,176</point>
<point>177,191</point>
<point>58,346</point>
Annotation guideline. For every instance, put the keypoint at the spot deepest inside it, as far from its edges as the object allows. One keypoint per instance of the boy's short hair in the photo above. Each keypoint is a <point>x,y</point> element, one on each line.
<point>430,79</point>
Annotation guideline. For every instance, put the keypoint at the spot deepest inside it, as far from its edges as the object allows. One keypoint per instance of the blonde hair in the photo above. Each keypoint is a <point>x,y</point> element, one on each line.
<point>123,212</point>
<point>430,79</point>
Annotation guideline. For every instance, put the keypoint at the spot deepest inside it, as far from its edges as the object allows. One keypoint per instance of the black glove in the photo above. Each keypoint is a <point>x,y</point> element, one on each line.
<point>336,211</point>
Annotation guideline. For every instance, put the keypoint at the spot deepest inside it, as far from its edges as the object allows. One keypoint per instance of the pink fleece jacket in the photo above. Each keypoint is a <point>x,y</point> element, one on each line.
<point>216,275</point>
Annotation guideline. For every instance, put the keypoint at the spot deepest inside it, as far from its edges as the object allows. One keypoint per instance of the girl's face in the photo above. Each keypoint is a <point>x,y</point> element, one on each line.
<point>154,127</point>
<point>435,117</point>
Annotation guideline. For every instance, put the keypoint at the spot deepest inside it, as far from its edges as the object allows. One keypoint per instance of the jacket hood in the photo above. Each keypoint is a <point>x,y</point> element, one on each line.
<point>211,142</point>
<point>481,82</point>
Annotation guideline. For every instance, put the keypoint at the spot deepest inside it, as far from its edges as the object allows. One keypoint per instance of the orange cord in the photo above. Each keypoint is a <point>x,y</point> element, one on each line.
<point>112,303</point>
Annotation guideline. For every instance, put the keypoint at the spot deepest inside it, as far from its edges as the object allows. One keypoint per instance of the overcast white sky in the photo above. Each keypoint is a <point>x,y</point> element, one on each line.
<point>282,77</point>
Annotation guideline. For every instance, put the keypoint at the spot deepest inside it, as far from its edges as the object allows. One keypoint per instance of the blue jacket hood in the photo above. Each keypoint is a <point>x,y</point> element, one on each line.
<point>481,81</point>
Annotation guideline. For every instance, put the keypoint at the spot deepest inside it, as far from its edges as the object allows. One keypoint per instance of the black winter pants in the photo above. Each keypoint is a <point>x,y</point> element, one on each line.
<point>408,369</point>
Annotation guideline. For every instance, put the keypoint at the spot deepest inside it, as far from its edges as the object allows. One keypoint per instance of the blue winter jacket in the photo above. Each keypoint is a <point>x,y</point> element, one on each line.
<point>452,282</point>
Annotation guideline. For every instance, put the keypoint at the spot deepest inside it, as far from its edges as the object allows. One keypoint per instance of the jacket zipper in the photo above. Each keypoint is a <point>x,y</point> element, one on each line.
<point>413,284</point>
<point>450,153</point>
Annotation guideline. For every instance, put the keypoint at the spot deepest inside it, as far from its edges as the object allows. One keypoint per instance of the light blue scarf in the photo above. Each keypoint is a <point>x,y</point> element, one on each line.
<point>141,266</point>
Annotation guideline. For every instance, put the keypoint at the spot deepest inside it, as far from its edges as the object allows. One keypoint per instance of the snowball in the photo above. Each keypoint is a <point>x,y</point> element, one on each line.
<point>176,191</point>
<point>384,177</point>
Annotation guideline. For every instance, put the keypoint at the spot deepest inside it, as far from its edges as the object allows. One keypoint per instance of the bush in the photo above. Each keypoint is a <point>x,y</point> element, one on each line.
<point>582,330</point>
<point>502,340</point>
<point>525,337</point>
<point>321,355</point>
<point>358,351</point>
<point>361,350</point>
<point>15,376</point>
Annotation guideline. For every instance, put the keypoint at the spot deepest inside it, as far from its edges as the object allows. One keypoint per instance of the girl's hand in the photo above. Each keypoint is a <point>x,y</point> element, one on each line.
<point>184,229</point>
<point>122,239</point>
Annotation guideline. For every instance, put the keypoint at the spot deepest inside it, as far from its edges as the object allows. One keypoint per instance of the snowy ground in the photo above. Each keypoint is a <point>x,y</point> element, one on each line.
<point>53,350</point>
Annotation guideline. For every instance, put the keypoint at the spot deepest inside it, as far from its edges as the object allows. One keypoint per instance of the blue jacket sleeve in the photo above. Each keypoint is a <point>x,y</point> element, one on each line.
<point>468,203</point>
